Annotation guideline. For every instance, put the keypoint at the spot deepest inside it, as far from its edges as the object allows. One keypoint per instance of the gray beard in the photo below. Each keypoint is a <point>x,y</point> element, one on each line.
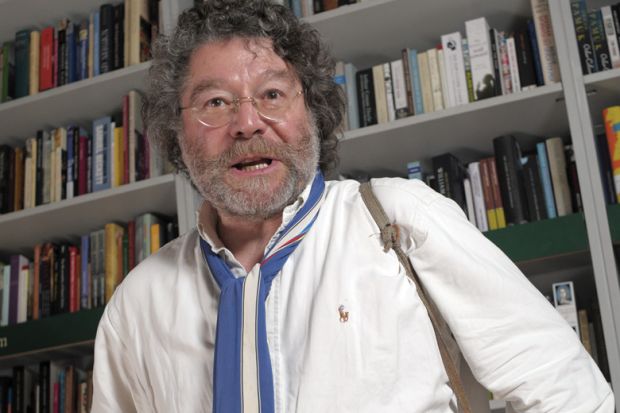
<point>253,198</point>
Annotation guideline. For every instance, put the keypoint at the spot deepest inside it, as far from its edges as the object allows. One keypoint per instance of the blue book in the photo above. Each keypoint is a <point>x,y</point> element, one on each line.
<point>22,63</point>
<point>95,17</point>
<point>82,51</point>
<point>71,53</point>
<point>61,385</point>
<point>545,177</point>
<point>102,153</point>
<point>416,85</point>
<point>414,170</point>
<point>296,6</point>
<point>351,88</point>
<point>85,254</point>
<point>531,28</point>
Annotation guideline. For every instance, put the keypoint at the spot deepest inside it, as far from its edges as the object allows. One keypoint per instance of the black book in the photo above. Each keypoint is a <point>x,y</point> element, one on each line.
<point>22,63</point>
<point>62,75</point>
<point>582,31</point>
<point>533,188</point>
<point>44,387</point>
<point>496,67</point>
<point>531,29</point>
<point>615,12</point>
<point>45,273</point>
<point>19,398</point>
<point>318,6</point>
<point>55,281</point>
<point>449,176</point>
<point>63,278</point>
<point>118,33</point>
<point>366,102</point>
<point>599,40</point>
<point>573,179</point>
<point>510,177</point>
<point>525,59</point>
<point>5,177</point>
<point>6,384</point>
<point>604,163</point>
<point>106,38</point>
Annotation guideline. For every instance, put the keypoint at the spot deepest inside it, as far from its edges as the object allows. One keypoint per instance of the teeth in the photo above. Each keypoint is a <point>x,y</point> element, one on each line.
<point>254,167</point>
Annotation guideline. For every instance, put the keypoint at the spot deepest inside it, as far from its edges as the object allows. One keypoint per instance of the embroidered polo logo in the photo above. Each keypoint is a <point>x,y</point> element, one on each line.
<point>344,315</point>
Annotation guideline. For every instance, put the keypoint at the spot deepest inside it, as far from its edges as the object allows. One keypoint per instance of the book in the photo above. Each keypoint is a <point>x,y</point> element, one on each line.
<point>113,277</point>
<point>533,188</point>
<point>401,106</point>
<point>22,63</point>
<point>467,67</point>
<point>564,300</point>
<point>389,92</point>
<point>582,31</point>
<point>545,177</point>
<point>411,57</point>
<point>599,41</point>
<point>106,38</point>
<point>8,71</point>
<point>573,179</point>
<point>102,146</point>
<point>380,96</point>
<point>425,83</point>
<point>414,170</point>
<point>435,78</point>
<point>33,61</point>
<point>557,166</point>
<point>510,177</point>
<point>351,95</point>
<point>473,170</point>
<point>450,176</point>
<point>611,118</point>
<point>367,106</point>
<point>525,60</point>
<point>515,79</point>
<point>546,41</point>
<point>455,70</point>
<point>610,34</point>
<point>495,191</point>
<point>604,163</point>
<point>481,58</point>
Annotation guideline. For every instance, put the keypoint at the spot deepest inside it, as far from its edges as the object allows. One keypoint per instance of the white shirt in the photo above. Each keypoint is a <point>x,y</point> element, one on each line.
<point>155,343</point>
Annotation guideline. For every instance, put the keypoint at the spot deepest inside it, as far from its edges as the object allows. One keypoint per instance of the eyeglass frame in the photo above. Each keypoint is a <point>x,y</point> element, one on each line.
<point>236,103</point>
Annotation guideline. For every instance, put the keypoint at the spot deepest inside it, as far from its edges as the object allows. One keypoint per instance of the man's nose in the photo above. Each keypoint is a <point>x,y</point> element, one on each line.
<point>246,121</point>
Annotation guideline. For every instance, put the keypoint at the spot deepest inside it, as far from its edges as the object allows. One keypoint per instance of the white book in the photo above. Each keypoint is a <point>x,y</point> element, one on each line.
<point>504,64</point>
<point>22,289</point>
<point>565,302</point>
<point>399,88</point>
<point>352,113</point>
<point>389,92</point>
<point>441,62</point>
<point>433,68</point>
<point>514,64</point>
<point>455,67</point>
<point>559,178</point>
<point>611,35</point>
<point>469,200</point>
<point>546,41</point>
<point>481,58</point>
<point>478,196</point>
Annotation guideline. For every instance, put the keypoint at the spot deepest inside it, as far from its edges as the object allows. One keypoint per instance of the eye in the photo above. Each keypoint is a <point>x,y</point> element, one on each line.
<point>273,94</point>
<point>217,102</point>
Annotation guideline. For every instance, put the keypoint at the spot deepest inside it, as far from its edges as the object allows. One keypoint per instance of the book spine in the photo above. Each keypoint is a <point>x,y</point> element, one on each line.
<point>573,179</point>
<point>101,155</point>
<point>531,27</point>
<point>22,65</point>
<point>525,61</point>
<point>33,77</point>
<point>582,31</point>
<point>599,41</point>
<point>106,39</point>
<point>389,92</point>
<point>467,66</point>
<point>401,106</point>
<point>611,117</point>
<point>510,177</point>
<point>433,68</point>
<point>478,196</point>
<point>416,83</point>
<point>611,35</point>
<point>455,67</point>
<point>380,96</point>
<point>546,41</point>
<point>533,189</point>
<point>545,176</point>
<point>61,54</point>
<point>425,82</point>
<point>441,62</point>
<point>71,52</point>
<point>112,255</point>
<point>514,65</point>
<point>366,98</point>
<point>481,58</point>
<point>505,64</point>
<point>604,162</point>
<point>408,81</point>
<point>85,272</point>
<point>557,167</point>
<point>83,47</point>
<point>497,197</point>
<point>352,105</point>
<point>8,71</point>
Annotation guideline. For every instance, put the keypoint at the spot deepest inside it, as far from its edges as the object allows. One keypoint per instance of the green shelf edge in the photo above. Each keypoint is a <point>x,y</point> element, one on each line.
<point>541,239</point>
<point>49,332</point>
<point>613,215</point>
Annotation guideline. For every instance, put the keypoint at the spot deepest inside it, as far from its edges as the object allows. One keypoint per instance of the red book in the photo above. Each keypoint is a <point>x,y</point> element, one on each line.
<point>36,281</point>
<point>82,184</point>
<point>73,278</point>
<point>46,59</point>
<point>131,235</point>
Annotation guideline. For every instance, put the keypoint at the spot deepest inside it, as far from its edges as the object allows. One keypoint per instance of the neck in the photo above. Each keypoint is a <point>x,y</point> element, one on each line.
<point>245,237</point>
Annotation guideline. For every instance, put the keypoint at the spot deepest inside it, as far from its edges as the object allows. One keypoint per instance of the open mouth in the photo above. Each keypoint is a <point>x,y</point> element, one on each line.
<point>253,165</point>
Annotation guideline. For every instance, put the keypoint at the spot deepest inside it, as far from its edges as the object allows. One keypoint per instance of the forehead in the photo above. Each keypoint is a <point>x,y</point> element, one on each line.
<point>235,60</point>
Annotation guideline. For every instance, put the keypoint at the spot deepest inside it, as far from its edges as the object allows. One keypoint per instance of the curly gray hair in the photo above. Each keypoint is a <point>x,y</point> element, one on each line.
<point>296,42</point>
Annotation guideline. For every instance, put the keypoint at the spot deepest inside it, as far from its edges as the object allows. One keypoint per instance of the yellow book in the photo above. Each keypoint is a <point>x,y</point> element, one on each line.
<point>113,258</point>
<point>117,161</point>
<point>33,79</point>
<point>155,238</point>
<point>611,116</point>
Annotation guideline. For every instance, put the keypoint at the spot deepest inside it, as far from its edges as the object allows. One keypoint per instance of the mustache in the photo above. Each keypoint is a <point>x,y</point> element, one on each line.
<point>256,146</point>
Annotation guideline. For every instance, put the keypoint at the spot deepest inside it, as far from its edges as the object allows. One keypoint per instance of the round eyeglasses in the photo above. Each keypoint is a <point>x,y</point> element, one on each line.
<point>219,109</point>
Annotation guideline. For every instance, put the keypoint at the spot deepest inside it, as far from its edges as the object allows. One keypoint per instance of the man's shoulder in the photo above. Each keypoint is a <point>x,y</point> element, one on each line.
<point>387,190</point>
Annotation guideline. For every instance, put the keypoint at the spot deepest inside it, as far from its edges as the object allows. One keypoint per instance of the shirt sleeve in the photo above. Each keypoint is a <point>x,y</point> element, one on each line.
<point>516,344</point>
<point>111,377</point>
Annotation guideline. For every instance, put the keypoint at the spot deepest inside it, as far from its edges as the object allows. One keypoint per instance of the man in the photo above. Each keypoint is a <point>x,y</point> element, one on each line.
<point>283,299</point>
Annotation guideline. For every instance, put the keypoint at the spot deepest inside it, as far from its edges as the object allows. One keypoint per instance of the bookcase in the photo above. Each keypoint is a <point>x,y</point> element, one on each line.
<point>577,247</point>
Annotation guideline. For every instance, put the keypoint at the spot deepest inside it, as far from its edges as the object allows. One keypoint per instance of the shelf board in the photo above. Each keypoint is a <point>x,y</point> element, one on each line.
<point>603,90</point>
<point>68,219</point>
<point>79,102</point>
<point>467,131</point>
<point>354,35</point>
<point>16,15</point>
<point>546,239</point>
<point>56,337</point>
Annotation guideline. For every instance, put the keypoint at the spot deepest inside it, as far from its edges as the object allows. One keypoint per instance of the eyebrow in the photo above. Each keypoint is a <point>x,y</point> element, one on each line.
<point>207,84</point>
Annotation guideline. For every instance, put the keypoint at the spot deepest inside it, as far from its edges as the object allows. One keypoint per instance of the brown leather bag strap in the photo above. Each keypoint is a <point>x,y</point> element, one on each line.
<point>391,239</point>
